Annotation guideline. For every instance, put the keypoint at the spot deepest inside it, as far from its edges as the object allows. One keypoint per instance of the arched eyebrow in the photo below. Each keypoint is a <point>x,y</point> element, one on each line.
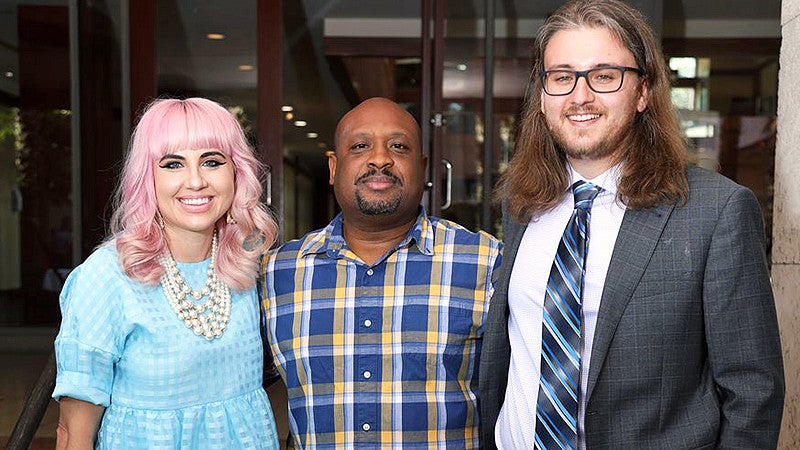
<point>172,156</point>
<point>203,155</point>
<point>213,153</point>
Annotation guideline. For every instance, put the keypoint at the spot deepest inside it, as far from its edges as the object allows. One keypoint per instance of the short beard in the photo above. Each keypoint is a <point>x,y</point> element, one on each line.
<point>599,150</point>
<point>378,208</point>
<point>612,143</point>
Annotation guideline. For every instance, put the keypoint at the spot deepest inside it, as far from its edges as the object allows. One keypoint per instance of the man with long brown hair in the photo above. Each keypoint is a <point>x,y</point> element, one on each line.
<point>637,312</point>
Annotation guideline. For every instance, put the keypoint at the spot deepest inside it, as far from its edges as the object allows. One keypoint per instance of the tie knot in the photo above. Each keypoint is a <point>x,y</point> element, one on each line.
<point>585,193</point>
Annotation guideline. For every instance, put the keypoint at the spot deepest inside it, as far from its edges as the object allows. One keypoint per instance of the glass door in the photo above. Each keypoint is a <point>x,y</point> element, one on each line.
<point>478,93</point>
<point>337,53</point>
<point>36,162</point>
<point>431,57</point>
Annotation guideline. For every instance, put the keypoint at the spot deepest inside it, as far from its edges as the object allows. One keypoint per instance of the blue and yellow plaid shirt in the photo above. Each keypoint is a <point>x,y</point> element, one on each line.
<point>383,355</point>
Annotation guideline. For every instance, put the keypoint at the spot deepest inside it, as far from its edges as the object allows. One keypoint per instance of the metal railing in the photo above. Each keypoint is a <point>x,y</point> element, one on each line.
<point>34,409</point>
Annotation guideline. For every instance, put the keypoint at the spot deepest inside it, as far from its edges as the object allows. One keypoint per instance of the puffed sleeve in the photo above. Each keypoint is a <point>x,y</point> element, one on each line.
<point>91,336</point>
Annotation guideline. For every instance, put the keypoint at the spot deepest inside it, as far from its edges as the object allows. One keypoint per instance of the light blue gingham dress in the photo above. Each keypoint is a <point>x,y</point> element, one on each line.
<point>122,346</point>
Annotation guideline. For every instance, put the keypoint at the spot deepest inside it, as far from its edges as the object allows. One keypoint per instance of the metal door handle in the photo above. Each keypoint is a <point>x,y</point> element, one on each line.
<point>448,192</point>
<point>268,198</point>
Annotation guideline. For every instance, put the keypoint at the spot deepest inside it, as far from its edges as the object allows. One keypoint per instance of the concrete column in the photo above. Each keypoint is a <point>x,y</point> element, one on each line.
<point>786,218</point>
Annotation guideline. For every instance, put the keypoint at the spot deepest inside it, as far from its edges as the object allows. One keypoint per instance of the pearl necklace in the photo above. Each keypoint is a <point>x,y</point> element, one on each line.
<point>209,318</point>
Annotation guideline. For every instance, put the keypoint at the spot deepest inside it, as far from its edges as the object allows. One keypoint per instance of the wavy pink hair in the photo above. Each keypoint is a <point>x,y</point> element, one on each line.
<point>166,126</point>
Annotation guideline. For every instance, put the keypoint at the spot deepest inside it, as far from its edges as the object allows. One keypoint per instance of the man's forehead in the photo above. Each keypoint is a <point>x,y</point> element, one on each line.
<point>367,133</point>
<point>602,47</point>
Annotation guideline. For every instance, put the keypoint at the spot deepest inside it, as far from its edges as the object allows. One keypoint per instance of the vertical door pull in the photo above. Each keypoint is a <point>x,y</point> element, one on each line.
<point>448,192</point>
<point>268,190</point>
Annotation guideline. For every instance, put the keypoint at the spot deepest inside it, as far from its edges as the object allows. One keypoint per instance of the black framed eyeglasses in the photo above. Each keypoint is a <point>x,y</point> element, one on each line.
<point>603,80</point>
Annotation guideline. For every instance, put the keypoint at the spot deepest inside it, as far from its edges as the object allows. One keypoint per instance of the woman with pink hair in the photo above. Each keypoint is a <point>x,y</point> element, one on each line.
<point>159,345</point>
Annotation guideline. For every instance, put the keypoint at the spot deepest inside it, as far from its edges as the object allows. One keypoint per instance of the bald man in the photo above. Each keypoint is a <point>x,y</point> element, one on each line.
<point>376,321</point>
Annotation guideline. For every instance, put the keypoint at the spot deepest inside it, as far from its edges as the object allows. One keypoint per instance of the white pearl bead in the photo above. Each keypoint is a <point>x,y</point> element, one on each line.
<point>209,318</point>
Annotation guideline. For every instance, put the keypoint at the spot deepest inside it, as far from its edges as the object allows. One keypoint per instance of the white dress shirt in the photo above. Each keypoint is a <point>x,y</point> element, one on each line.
<point>517,421</point>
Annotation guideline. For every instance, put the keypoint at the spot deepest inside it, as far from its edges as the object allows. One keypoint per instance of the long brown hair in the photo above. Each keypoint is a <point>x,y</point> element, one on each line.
<point>654,152</point>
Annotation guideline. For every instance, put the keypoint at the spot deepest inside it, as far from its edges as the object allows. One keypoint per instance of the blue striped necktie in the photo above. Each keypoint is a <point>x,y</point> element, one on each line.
<point>559,383</point>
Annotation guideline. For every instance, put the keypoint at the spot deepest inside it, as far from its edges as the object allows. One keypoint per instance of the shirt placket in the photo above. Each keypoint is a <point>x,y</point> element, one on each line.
<point>367,359</point>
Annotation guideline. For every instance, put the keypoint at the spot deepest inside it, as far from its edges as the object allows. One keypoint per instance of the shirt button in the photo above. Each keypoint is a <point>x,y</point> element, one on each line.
<point>367,374</point>
<point>370,272</point>
<point>367,323</point>
<point>365,427</point>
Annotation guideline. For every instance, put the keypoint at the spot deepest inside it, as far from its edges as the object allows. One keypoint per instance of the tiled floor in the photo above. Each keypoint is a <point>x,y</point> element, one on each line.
<point>23,355</point>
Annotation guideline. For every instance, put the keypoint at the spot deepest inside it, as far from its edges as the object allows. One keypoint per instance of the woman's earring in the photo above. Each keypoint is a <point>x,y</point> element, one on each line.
<point>160,220</point>
<point>229,219</point>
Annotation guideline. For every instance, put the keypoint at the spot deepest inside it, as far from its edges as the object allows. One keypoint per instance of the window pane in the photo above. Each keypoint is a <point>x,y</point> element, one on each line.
<point>35,162</point>
<point>686,67</point>
<point>683,97</point>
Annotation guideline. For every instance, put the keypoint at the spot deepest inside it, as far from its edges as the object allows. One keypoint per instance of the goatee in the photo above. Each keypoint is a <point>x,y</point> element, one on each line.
<point>378,207</point>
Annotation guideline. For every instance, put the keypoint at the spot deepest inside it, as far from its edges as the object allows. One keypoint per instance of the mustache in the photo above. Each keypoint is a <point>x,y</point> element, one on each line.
<point>383,172</point>
<point>574,110</point>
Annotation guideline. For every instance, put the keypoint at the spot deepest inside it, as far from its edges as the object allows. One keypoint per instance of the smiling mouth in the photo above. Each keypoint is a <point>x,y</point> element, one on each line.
<point>379,182</point>
<point>582,117</point>
<point>376,178</point>
<point>195,201</point>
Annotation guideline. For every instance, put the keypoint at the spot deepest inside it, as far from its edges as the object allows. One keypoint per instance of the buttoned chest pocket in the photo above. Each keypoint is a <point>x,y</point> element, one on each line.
<point>459,320</point>
<point>441,336</point>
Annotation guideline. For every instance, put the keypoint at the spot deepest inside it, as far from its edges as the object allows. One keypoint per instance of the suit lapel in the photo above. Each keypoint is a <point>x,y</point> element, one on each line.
<point>512,236</point>
<point>496,353</point>
<point>638,235</point>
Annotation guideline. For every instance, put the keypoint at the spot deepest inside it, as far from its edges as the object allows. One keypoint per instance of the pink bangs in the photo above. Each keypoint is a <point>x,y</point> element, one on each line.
<point>195,123</point>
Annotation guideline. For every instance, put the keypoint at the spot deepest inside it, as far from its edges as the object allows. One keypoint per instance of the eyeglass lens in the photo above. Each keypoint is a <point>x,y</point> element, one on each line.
<point>600,80</point>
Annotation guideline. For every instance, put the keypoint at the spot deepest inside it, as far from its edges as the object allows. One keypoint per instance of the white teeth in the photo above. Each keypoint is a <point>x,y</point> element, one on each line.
<point>195,201</point>
<point>584,117</point>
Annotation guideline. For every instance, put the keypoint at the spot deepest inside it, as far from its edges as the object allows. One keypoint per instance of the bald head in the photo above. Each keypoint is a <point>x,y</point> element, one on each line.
<point>378,107</point>
<point>378,169</point>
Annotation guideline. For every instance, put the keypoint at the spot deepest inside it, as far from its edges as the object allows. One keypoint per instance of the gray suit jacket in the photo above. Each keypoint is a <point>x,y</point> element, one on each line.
<point>686,353</point>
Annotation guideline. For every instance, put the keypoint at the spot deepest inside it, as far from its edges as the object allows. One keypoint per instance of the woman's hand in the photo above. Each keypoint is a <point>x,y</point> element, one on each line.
<point>78,422</point>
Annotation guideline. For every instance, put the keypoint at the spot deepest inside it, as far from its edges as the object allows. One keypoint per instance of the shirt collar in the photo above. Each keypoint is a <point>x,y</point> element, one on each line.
<point>608,180</point>
<point>330,240</point>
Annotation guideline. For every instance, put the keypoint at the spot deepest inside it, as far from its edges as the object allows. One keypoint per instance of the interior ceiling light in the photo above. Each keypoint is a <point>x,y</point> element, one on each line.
<point>289,116</point>
<point>215,36</point>
<point>312,135</point>
<point>9,74</point>
<point>462,67</point>
<point>300,123</point>
<point>246,67</point>
<point>287,108</point>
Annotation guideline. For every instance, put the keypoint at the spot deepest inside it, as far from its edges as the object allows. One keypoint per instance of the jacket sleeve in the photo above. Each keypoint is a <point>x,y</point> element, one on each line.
<point>744,347</point>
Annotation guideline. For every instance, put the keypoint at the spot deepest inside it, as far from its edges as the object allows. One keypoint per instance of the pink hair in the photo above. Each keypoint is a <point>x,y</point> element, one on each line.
<point>166,126</point>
